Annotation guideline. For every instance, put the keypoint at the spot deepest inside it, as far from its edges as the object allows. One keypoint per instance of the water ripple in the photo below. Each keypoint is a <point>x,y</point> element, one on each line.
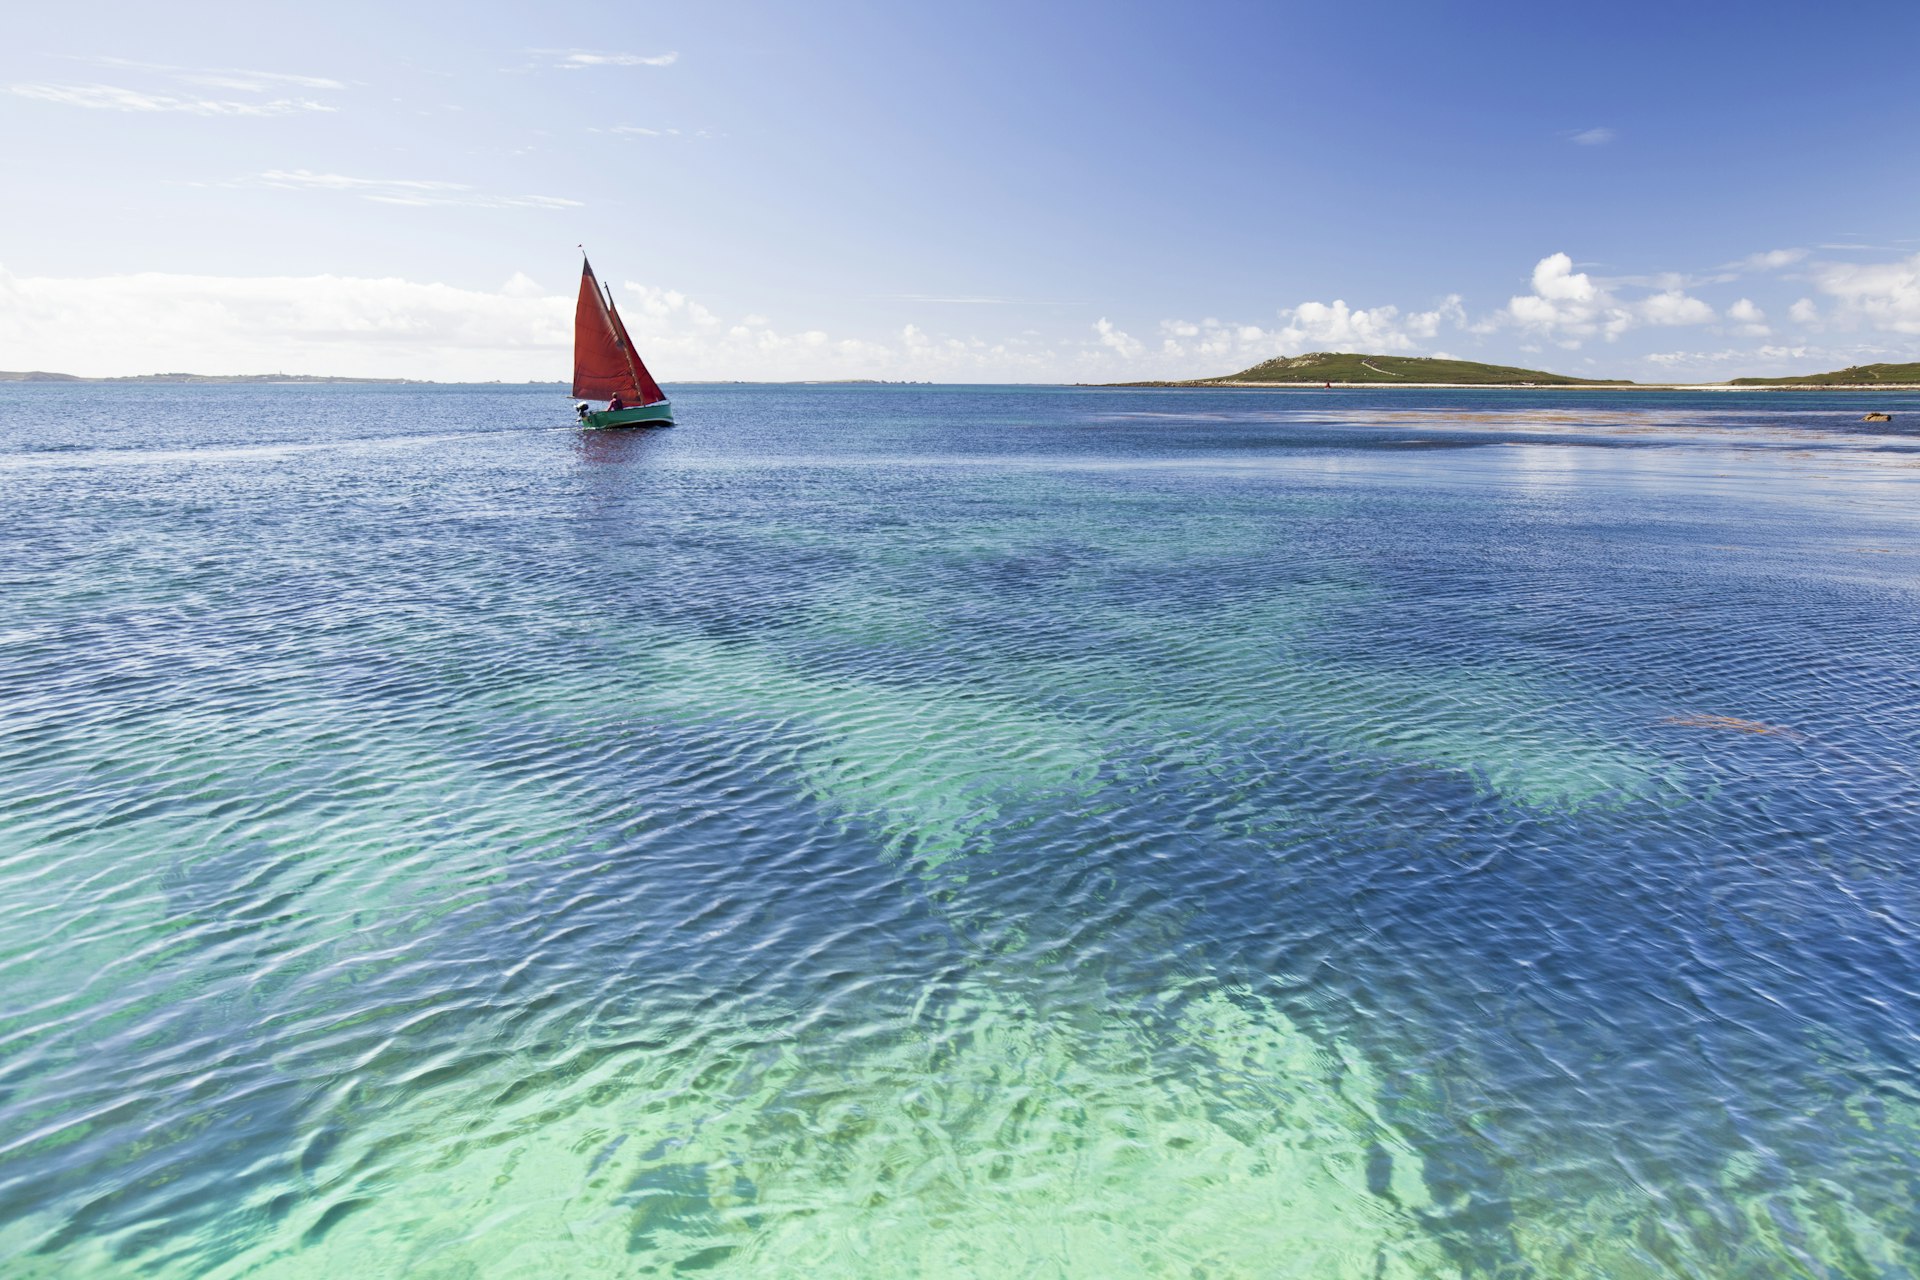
<point>1020,831</point>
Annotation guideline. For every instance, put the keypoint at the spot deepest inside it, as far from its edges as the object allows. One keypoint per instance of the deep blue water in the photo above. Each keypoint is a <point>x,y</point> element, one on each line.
<point>981,831</point>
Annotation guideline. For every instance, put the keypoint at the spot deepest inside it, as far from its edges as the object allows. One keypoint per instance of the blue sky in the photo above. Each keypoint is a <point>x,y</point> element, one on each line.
<point>968,193</point>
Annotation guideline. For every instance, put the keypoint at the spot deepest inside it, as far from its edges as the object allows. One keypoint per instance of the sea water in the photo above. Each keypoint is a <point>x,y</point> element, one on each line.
<point>916,831</point>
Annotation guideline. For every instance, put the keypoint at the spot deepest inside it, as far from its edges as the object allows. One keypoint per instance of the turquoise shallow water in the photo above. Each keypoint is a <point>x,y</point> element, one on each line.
<point>997,832</point>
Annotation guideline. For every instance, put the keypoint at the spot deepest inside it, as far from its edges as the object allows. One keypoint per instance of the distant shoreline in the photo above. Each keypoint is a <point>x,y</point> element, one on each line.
<point>1498,386</point>
<point>42,378</point>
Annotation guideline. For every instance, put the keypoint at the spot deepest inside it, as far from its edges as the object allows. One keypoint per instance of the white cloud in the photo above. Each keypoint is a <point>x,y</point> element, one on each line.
<point>667,305</point>
<point>1593,137</point>
<point>406,191</point>
<point>1213,346</point>
<point>1748,319</point>
<point>522,285</point>
<point>154,322</point>
<point>1126,345</point>
<point>1804,312</point>
<point>1210,347</point>
<point>106,97</point>
<point>1884,296</point>
<point>1555,280</point>
<point>1426,324</point>
<point>1568,306</point>
<point>1673,307</point>
<point>1336,326</point>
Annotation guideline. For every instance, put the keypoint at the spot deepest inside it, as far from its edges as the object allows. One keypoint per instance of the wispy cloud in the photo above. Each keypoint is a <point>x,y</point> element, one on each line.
<point>1598,137</point>
<point>238,78</point>
<point>643,131</point>
<point>263,85</point>
<point>1770,359</point>
<point>1882,295</point>
<point>254,81</point>
<point>1771,260</point>
<point>106,97</point>
<point>1764,358</point>
<point>406,191</point>
<point>962,299</point>
<point>580,59</point>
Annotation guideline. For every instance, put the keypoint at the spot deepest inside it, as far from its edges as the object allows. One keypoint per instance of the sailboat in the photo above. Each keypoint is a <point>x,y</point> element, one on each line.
<point>606,367</point>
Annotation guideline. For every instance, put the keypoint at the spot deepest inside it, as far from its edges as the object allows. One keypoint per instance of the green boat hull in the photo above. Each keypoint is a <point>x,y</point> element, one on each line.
<point>642,415</point>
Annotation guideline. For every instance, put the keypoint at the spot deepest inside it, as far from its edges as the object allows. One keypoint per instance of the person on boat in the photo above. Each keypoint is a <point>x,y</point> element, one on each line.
<point>616,404</point>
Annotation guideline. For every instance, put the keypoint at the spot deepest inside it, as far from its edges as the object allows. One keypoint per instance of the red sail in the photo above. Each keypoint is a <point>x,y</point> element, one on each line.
<point>650,392</point>
<point>602,367</point>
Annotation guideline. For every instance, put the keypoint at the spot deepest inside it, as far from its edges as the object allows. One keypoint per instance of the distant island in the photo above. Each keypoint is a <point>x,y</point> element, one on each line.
<point>1350,368</point>
<point>1859,375</point>
<point>1354,368</point>
<point>41,376</point>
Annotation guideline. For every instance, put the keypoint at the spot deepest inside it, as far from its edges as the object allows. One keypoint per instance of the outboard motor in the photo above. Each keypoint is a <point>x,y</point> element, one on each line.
<point>581,410</point>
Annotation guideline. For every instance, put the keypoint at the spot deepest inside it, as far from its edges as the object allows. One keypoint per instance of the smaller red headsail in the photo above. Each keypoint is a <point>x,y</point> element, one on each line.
<point>650,392</point>
<point>604,361</point>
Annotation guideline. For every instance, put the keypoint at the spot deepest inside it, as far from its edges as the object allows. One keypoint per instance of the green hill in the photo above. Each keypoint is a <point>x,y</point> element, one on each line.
<point>1406,371</point>
<point>1347,366</point>
<point>1884,374</point>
